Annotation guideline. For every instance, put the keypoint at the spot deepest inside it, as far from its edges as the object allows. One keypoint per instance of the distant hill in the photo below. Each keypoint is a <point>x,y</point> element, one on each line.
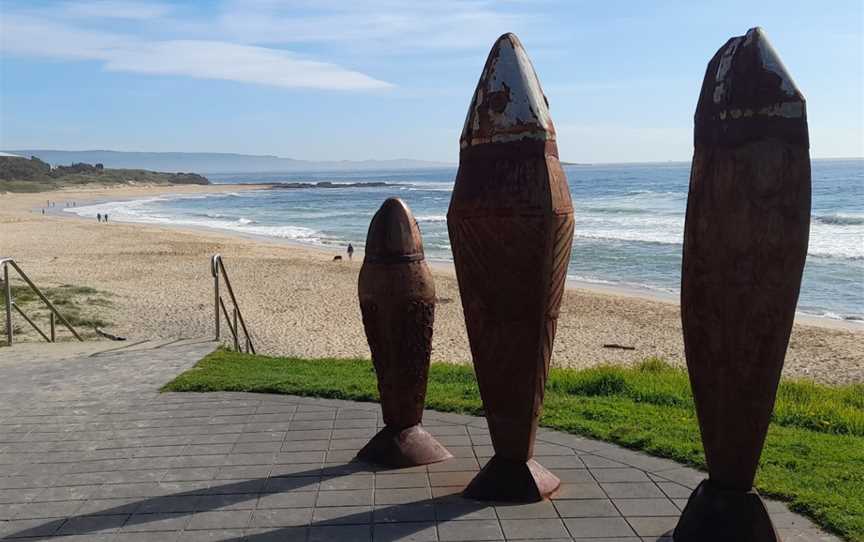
<point>208,162</point>
<point>19,174</point>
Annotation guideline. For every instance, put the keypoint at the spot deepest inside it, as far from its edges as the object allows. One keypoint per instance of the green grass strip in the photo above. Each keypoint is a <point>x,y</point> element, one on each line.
<point>813,457</point>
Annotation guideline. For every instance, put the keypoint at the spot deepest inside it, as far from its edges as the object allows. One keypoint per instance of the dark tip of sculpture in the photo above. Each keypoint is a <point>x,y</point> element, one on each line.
<point>508,104</point>
<point>748,93</point>
<point>393,235</point>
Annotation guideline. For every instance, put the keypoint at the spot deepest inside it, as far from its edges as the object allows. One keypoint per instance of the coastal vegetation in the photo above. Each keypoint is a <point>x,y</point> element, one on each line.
<point>82,306</point>
<point>18,174</point>
<point>813,457</point>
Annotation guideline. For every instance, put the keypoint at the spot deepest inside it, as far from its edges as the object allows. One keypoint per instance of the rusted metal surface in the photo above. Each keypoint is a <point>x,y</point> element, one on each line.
<point>397,299</point>
<point>745,243</point>
<point>511,228</point>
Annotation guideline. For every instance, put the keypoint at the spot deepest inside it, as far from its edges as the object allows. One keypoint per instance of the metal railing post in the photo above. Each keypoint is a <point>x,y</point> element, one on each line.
<point>8,303</point>
<point>216,300</point>
<point>235,321</point>
<point>53,333</point>
<point>236,337</point>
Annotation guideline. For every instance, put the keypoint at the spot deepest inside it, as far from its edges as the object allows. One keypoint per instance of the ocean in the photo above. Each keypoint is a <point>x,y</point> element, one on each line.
<point>629,221</point>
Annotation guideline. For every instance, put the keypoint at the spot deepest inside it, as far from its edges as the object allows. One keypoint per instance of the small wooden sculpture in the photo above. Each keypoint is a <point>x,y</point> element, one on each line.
<point>397,299</point>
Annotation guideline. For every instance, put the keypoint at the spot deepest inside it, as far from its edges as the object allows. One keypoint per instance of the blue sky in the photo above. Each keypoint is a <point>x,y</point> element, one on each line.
<point>326,79</point>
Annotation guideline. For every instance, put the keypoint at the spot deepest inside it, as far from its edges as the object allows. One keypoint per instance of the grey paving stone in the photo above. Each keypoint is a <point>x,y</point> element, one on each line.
<point>451,478</point>
<point>295,499</point>
<point>142,536</point>
<point>586,508</point>
<point>632,490</point>
<point>156,522</point>
<point>348,481</point>
<point>30,528</point>
<point>401,480</point>
<point>463,509</point>
<point>165,504</point>
<point>654,526</point>
<point>282,484</point>
<point>92,525</point>
<point>598,527</point>
<point>543,509</point>
<point>45,509</point>
<point>674,491</point>
<point>646,507</point>
<point>597,462</point>
<point>406,532</point>
<point>521,529</point>
<point>395,513</point>
<point>620,475</point>
<point>281,517</point>
<point>402,496</point>
<point>464,530</point>
<point>352,497</point>
<point>579,490</point>
<point>340,533</point>
<point>102,452</point>
<point>455,464</point>
<point>223,519</point>
<point>342,515</point>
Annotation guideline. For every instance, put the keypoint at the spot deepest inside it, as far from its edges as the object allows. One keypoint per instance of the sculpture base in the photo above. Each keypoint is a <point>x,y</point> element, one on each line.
<point>512,481</point>
<point>714,514</point>
<point>403,448</point>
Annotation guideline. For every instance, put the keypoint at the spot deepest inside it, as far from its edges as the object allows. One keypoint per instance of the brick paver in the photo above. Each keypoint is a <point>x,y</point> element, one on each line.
<point>89,450</point>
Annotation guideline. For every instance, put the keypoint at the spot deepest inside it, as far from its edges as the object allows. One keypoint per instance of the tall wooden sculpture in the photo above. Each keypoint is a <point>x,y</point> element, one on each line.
<point>745,242</point>
<point>397,299</point>
<point>511,228</point>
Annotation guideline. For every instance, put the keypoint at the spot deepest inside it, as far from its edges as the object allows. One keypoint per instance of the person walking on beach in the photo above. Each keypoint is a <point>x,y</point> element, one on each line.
<point>105,216</point>
<point>98,217</point>
<point>350,251</point>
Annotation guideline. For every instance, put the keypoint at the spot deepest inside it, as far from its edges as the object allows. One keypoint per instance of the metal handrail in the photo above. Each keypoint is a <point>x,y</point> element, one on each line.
<point>6,262</point>
<point>217,268</point>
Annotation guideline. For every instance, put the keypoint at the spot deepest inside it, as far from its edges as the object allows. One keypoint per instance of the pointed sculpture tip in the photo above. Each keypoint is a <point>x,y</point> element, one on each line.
<point>509,37</point>
<point>748,94</point>
<point>508,104</point>
<point>393,234</point>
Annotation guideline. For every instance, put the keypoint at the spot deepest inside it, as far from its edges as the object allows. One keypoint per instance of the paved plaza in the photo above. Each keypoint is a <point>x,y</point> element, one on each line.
<point>90,450</point>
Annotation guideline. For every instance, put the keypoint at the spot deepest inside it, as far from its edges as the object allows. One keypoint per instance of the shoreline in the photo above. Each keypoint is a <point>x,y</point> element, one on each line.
<point>443,266</point>
<point>298,302</point>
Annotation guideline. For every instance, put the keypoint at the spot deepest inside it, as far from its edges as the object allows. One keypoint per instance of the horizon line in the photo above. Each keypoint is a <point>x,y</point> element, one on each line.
<point>442,162</point>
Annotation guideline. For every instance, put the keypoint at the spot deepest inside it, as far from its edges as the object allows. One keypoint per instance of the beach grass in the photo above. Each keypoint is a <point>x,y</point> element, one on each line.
<point>82,306</point>
<point>813,457</point>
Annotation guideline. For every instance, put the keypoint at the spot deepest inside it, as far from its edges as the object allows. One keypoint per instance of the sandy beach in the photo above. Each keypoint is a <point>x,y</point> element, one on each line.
<point>298,301</point>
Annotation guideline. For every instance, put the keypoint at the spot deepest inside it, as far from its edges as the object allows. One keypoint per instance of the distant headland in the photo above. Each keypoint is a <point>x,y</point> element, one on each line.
<point>216,162</point>
<point>19,174</point>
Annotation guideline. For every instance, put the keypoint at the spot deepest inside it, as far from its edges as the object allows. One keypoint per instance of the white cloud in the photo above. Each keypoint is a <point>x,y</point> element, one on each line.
<point>24,35</point>
<point>396,26</point>
<point>233,62</point>
<point>115,9</point>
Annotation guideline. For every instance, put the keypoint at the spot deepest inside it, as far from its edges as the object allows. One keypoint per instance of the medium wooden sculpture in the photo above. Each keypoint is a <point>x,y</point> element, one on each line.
<point>511,228</point>
<point>397,299</point>
<point>745,242</point>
